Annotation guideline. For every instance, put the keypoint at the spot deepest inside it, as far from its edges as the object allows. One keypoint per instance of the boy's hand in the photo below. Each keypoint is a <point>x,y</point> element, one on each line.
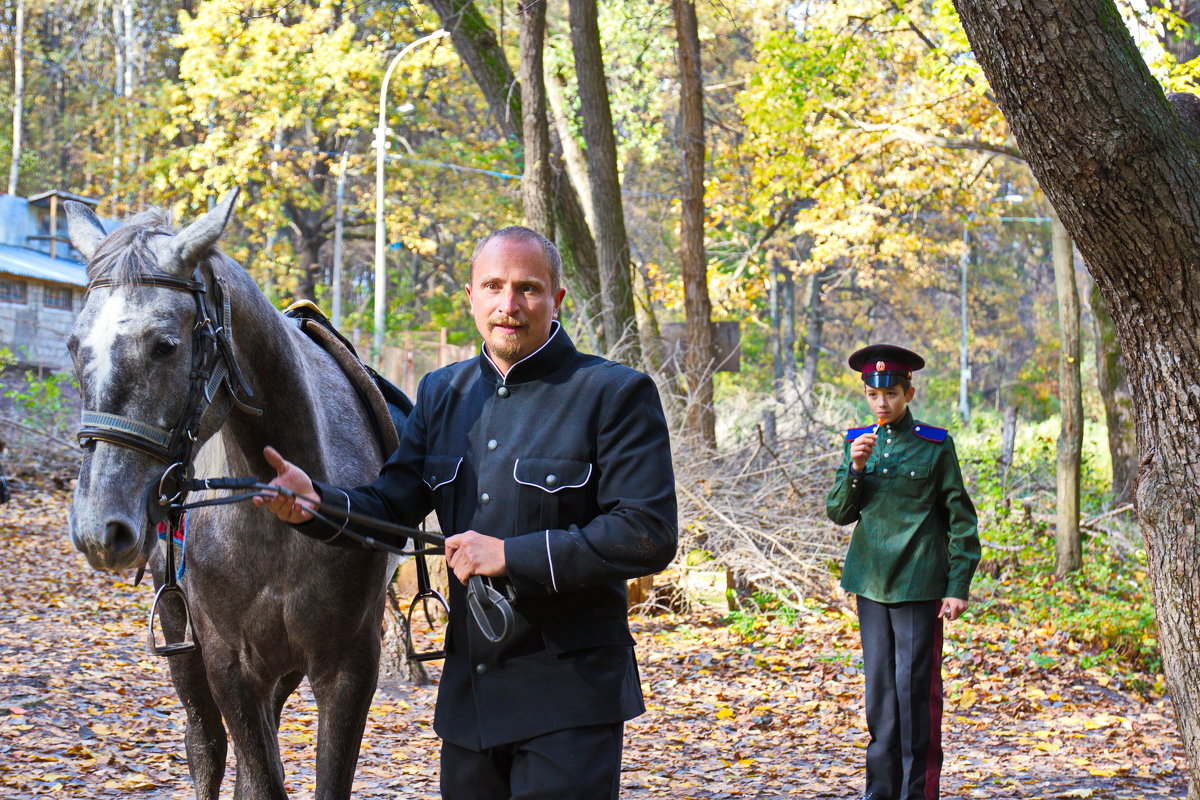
<point>861,449</point>
<point>952,608</point>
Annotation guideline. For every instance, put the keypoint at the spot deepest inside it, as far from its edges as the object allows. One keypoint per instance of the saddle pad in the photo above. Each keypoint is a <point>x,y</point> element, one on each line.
<point>388,407</point>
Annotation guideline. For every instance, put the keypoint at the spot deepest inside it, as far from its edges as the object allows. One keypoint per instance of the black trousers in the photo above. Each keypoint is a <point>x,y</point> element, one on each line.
<point>902,659</point>
<point>572,764</point>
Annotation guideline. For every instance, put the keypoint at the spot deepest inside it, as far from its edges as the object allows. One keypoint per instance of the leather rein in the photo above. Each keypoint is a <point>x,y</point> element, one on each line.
<point>214,365</point>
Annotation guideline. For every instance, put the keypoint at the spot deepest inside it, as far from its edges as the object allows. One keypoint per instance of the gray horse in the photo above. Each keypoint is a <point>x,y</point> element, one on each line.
<point>269,607</point>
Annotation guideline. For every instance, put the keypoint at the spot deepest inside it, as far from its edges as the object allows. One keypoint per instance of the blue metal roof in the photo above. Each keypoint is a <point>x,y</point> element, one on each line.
<point>31,264</point>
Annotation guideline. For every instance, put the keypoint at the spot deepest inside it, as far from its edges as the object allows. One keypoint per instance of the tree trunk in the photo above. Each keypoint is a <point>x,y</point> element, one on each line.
<point>14,170</point>
<point>1118,405</point>
<point>1068,550</point>
<point>477,46</point>
<point>1115,161</point>
<point>612,245</point>
<point>573,158</point>
<point>698,361</point>
<point>535,184</point>
<point>814,330</point>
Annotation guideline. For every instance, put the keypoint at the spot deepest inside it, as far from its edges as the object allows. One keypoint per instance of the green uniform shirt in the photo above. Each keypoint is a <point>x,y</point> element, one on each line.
<point>916,537</point>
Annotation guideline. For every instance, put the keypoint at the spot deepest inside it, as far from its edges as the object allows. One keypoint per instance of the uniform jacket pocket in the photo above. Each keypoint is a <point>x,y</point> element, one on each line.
<point>552,475</point>
<point>440,470</point>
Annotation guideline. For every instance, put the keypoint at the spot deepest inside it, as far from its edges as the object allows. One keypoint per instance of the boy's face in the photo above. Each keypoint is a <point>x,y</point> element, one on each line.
<point>888,404</point>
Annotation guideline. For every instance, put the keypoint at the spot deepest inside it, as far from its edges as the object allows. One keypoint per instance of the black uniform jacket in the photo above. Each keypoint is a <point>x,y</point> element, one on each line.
<point>568,460</point>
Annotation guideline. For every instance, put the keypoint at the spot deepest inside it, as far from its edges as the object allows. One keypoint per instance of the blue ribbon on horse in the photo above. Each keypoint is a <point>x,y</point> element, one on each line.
<point>179,535</point>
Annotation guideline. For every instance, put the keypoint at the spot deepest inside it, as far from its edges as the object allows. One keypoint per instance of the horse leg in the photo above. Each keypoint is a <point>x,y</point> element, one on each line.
<point>204,735</point>
<point>343,695</point>
<point>283,690</point>
<point>250,714</point>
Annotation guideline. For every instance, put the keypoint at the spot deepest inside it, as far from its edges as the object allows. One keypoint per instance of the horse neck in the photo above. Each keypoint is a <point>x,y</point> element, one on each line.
<point>273,356</point>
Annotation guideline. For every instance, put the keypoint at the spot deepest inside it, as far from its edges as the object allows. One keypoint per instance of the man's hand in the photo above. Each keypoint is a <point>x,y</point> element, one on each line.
<point>472,553</point>
<point>289,509</point>
<point>952,608</point>
<point>861,449</point>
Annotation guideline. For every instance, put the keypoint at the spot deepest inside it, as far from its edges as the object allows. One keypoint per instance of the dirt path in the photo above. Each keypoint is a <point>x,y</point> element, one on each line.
<point>85,713</point>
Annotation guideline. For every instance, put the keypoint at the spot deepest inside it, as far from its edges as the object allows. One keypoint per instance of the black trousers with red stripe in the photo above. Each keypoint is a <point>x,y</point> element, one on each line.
<point>902,659</point>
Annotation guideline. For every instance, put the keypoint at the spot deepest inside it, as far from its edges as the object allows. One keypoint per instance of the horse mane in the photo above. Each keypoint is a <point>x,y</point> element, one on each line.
<point>125,255</point>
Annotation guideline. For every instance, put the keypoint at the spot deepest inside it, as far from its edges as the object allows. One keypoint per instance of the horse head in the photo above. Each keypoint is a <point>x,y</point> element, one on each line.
<point>138,345</point>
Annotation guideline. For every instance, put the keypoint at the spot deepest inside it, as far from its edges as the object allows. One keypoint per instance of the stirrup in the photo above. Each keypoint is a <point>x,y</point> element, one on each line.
<point>410,652</point>
<point>188,644</point>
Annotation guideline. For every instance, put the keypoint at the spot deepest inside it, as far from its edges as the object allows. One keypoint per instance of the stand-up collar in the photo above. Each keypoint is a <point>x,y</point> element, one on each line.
<point>541,362</point>
<point>904,423</point>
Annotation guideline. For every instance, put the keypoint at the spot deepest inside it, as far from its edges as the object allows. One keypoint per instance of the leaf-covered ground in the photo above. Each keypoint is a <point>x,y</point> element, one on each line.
<point>85,712</point>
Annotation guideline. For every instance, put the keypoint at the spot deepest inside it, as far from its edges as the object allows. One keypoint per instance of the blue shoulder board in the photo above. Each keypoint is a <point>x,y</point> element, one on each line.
<point>854,433</point>
<point>929,432</point>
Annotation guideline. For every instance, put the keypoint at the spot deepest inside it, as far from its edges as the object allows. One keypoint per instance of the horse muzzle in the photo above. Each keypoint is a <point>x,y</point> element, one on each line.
<point>111,539</point>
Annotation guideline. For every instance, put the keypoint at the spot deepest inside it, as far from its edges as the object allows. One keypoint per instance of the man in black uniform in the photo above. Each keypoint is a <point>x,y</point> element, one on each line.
<point>552,469</point>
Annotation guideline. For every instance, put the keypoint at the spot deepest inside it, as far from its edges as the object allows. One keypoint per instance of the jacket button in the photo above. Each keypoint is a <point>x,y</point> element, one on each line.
<point>480,669</point>
<point>433,477</point>
<point>886,455</point>
<point>885,470</point>
<point>551,480</point>
<point>502,391</point>
<point>492,444</point>
<point>485,498</point>
<point>912,474</point>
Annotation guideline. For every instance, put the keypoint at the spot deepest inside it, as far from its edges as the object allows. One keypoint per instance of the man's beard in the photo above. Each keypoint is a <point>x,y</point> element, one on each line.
<point>507,346</point>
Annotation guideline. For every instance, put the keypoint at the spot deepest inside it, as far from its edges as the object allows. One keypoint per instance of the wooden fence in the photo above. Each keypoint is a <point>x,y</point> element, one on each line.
<point>408,356</point>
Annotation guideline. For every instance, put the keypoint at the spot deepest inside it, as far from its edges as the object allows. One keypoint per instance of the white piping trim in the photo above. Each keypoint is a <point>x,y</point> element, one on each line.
<point>550,563</point>
<point>345,521</point>
<point>551,491</point>
<point>457,466</point>
<point>555,327</point>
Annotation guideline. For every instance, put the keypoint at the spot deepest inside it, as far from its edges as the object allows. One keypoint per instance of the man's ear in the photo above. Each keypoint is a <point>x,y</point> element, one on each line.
<point>910,394</point>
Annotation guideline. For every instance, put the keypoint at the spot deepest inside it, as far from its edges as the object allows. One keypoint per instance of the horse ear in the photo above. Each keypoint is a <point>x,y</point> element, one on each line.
<point>83,228</point>
<point>204,232</point>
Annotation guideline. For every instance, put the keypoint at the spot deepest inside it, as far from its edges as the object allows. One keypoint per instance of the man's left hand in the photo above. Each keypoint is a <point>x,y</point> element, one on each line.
<point>952,608</point>
<point>472,553</point>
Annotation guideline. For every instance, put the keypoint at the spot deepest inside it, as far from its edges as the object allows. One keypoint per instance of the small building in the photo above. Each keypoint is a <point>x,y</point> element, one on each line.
<point>42,279</point>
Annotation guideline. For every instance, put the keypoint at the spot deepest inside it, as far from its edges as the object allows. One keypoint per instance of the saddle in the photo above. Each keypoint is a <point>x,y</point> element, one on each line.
<point>388,406</point>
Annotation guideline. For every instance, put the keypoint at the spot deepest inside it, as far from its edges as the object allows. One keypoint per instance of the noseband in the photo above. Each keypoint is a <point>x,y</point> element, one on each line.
<point>213,364</point>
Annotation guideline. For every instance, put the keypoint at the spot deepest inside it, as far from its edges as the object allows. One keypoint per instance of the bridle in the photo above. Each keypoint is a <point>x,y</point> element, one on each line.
<point>214,364</point>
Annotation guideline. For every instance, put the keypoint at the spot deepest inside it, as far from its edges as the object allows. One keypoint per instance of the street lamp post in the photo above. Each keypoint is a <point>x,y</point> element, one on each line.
<point>381,133</point>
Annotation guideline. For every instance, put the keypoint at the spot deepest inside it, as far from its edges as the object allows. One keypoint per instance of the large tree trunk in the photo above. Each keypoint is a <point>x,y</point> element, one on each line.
<point>476,44</point>
<point>1118,404</point>
<point>1115,161</point>
<point>698,363</point>
<point>535,184</point>
<point>612,245</point>
<point>1068,549</point>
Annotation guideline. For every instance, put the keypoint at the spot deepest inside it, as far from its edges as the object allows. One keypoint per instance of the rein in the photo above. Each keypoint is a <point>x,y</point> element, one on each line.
<point>213,364</point>
<point>482,598</point>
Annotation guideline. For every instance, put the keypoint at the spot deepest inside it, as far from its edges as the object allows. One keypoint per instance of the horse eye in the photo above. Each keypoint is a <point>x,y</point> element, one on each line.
<point>164,348</point>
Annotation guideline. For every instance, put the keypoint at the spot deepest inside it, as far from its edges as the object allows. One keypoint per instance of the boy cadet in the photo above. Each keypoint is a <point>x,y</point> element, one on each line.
<point>910,563</point>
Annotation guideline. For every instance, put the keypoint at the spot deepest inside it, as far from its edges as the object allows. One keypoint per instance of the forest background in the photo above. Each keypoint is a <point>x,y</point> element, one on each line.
<point>859,185</point>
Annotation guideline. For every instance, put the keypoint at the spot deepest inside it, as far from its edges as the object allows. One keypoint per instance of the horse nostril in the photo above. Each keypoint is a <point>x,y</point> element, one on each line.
<point>118,538</point>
